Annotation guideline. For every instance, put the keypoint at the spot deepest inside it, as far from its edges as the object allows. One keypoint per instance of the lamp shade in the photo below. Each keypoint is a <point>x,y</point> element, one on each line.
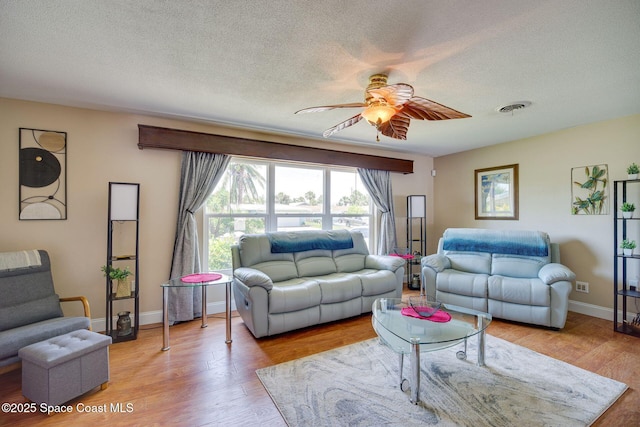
<point>123,201</point>
<point>416,206</point>
<point>378,113</point>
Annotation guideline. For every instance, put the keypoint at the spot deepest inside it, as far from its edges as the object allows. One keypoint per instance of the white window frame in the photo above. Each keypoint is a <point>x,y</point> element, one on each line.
<point>271,218</point>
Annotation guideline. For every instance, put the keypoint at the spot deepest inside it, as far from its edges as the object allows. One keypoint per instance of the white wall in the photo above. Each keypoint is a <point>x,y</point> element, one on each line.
<point>102,147</point>
<point>545,164</point>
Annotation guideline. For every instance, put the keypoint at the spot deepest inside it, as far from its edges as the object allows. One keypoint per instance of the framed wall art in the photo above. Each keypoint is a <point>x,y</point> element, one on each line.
<point>43,175</point>
<point>590,190</point>
<point>497,192</point>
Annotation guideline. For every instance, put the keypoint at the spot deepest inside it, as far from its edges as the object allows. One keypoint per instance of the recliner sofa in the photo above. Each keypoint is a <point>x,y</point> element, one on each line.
<point>511,274</point>
<point>290,280</point>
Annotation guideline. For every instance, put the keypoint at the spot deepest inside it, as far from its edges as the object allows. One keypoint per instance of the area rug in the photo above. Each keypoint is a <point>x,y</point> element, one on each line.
<point>358,385</point>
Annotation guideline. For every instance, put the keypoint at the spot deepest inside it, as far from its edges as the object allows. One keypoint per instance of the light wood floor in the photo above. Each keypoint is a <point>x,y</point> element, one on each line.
<point>202,381</point>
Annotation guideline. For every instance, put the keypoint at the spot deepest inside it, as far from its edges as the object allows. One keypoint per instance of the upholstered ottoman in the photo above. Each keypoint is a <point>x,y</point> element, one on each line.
<point>64,367</point>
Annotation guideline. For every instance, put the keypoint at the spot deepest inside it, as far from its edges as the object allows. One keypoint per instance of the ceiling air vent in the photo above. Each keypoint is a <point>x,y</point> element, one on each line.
<point>513,107</point>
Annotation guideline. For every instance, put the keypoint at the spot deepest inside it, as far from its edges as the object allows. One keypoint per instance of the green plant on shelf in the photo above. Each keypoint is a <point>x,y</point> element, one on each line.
<point>116,273</point>
<point>628,207</point>
<point>633,169</point>
<point>628,244</point>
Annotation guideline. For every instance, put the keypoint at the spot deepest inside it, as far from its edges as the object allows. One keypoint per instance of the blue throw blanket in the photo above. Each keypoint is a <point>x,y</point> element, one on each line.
<point>298,241</point>
<point>512,242</point>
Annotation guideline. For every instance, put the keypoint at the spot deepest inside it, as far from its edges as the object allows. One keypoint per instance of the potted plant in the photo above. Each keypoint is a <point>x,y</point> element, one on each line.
<point>119,275</point>
<point>627,247</point>
<point>627,209</point>
<point>632,171</point>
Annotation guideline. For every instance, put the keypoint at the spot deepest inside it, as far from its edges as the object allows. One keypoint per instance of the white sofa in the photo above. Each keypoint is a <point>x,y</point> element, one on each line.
<point>511,274</point>
<point>290,280</point>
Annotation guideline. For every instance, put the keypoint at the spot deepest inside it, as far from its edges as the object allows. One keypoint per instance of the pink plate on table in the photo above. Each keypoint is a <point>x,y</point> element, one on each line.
<point>201,277</point>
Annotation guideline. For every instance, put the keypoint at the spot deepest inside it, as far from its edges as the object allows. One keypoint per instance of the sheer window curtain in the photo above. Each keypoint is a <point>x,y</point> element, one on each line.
<point>378,184</point>
<point>200,174</point>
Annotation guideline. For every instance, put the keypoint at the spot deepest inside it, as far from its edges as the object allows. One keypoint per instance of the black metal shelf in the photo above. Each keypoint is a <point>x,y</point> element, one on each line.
<point>623,228</point>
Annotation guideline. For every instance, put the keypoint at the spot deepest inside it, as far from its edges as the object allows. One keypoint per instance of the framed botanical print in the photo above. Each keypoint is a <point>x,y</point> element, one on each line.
<point>590,190</point>
<point>497,192</point>
<point>43,174</point>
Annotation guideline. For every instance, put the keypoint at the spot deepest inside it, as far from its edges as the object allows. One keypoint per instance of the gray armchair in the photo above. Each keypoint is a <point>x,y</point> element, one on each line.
<point>30,310</point>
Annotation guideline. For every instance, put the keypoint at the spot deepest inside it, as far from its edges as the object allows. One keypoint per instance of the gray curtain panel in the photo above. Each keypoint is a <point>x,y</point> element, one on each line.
<point>200,174</point>
<point>378,184</point>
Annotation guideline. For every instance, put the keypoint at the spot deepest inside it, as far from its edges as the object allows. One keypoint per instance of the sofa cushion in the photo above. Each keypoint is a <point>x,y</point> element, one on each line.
<point>256,249</point>
<point>470,262</point>
<point>376,282</point>
<point>13,340</point>
<point>314,263</point>
<point>349,263</point>
<point>18,286</point>
<point>339,287</point>
<point>294,295</point>
<point>462,283</point>
<point>538,315</point>
<point>30,312</point>
<point>278,271</point>
<point>516,266</point>
<point>519,291</point>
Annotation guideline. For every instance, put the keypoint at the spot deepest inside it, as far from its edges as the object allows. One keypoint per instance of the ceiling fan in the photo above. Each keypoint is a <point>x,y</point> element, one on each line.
<point>389,108</point>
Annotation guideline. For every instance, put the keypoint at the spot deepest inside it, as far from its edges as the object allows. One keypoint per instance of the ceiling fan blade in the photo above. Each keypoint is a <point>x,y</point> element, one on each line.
<point>396,127</point>
<point>425,109</point>
<point>330,107</point>
<point>395,95</point>
<point>349,122</point>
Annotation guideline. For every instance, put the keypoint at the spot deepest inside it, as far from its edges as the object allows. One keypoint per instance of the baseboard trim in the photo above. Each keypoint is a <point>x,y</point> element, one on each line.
<point>151,317</point>
<point>596,310</point>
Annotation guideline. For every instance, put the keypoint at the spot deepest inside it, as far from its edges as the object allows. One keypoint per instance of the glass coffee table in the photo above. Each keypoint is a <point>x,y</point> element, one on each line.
<point>412,336</point>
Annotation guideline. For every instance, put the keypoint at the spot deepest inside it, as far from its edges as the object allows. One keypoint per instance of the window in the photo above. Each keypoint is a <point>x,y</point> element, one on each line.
<point>257,196</point>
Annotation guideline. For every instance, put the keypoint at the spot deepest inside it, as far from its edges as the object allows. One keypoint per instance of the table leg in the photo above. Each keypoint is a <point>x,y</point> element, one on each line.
<point>481,340</point>
<point>165,319</point>
<point>415,370</point>
<point>401,359</point>
<point>228,312</point>
<point>204,307</point>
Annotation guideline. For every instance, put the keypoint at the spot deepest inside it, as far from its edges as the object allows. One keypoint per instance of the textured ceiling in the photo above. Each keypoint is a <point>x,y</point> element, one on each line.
<point>252,64</point>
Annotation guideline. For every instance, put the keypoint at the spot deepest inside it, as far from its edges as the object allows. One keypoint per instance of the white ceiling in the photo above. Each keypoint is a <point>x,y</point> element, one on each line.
<point>252,64</point>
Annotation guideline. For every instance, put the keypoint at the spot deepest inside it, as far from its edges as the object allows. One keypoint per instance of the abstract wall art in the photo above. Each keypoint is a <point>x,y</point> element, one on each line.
<point>43,175</point>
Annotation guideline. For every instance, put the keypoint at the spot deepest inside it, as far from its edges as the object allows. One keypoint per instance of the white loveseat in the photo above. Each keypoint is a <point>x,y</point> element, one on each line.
<point>511,274</point>
<point>290,280</point>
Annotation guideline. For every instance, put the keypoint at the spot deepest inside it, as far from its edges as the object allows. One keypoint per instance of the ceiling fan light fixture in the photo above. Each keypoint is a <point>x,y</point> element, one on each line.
<point>377,114</point>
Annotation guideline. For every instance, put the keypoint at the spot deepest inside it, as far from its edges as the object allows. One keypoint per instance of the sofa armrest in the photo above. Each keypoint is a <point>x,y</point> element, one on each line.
<point>554,272</point>
<point>383,262</point>
<point>437,262</point>
<point>85,305</point>
<point>251,277</point>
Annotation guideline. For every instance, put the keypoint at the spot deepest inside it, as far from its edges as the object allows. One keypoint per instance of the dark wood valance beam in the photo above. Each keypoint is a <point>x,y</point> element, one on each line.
<point>175,139</point>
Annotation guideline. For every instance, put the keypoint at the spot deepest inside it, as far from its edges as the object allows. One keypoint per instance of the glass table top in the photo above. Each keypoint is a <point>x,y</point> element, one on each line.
<point>398,330</point>
<point>178,282</point>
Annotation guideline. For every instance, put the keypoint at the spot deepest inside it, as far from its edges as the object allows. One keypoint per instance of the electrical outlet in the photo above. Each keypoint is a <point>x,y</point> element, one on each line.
<point>582,287</point>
